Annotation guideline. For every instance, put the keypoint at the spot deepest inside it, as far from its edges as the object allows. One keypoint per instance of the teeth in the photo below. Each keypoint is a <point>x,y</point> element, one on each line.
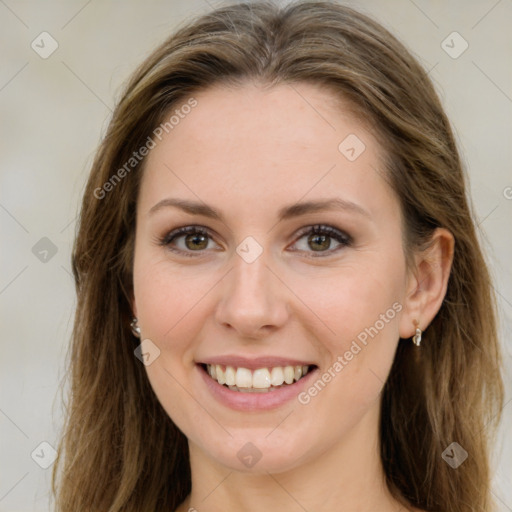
<point>252,390</point>
<point>230,376</point>
<point>277,376</point>
<point>260,380</point>
<point>221,376</point>
<point>243,378</point>
<point>289,374</point>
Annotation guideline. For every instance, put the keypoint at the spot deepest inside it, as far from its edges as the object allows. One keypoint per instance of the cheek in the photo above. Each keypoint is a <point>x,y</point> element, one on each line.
<point>357,301</point>
<point>169,301</point>
<point>171,315</point>
<point>360,303</point>
<point>363,313</point>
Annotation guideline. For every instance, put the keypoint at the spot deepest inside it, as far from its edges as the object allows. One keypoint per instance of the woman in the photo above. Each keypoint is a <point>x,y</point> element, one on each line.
<point>282,302</point>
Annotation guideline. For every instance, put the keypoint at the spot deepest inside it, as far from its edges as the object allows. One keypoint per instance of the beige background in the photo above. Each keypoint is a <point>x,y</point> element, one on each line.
<point>53,113</point>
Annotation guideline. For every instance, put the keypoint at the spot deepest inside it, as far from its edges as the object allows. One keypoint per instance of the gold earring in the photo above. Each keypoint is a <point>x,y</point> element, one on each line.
<point>417,337</point>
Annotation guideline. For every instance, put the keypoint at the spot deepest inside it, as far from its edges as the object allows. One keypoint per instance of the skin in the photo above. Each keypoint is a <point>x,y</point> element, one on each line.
<point>248,152</point>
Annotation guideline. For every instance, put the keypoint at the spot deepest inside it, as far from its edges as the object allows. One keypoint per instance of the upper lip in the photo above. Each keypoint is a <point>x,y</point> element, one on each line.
<point>254,363</point>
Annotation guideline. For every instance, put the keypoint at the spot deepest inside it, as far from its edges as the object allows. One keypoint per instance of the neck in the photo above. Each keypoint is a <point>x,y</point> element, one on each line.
<point>345,477</point>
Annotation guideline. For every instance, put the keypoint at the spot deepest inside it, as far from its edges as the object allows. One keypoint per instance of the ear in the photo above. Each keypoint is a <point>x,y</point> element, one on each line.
<point>427,283</point>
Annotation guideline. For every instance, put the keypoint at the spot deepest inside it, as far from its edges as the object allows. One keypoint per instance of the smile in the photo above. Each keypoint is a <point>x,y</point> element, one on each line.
<point>259,380</point>
<point>254,384</point>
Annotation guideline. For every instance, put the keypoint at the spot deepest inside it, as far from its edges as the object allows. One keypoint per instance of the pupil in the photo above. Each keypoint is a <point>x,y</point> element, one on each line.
<point>195,239</point>
<point>323,239</point>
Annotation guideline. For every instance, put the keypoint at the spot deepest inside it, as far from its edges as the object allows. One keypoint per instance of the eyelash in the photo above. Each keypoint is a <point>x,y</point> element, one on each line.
<point>318,229</point>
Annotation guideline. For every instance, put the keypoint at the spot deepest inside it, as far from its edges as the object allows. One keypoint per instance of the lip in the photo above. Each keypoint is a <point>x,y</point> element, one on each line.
<point>254,401</point>
<point>256,362</point>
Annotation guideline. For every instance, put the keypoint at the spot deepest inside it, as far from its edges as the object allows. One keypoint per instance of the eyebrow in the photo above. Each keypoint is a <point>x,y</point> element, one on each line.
<point>285,213</point>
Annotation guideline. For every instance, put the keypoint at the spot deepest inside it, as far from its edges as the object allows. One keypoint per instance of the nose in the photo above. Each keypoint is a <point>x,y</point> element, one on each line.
<point>254,300</point>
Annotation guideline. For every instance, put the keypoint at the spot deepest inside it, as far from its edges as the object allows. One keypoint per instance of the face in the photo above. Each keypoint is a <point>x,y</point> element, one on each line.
<point>265,290</point>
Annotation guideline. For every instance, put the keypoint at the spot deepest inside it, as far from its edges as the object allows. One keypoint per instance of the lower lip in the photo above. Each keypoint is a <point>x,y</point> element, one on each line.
<point>255,401</point>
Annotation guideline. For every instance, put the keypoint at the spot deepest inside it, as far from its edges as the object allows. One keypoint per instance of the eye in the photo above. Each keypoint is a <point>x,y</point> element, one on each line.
<point>195,239</point>
<point>320,238</point>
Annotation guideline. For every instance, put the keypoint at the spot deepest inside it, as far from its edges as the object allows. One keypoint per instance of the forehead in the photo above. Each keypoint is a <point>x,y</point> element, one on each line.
<point>251,144</point>
<point>254,121</point>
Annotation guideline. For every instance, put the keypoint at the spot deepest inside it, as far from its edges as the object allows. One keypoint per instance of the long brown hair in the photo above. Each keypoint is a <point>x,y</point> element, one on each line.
<point>119,449</point>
